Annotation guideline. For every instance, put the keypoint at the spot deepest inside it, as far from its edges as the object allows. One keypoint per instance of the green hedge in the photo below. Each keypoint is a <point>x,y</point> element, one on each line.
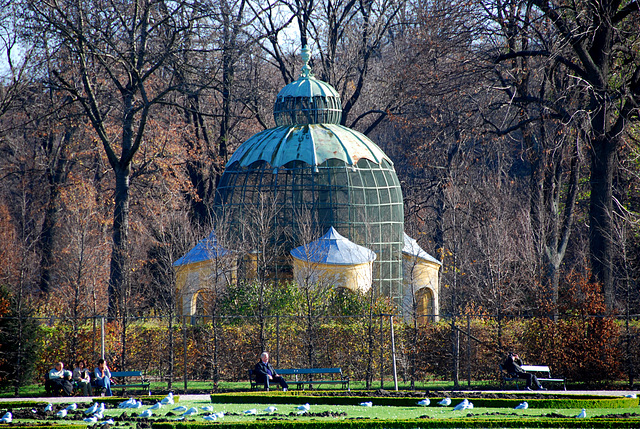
<point>115,400</point>
<point>570,401</point>
<point>422,424</point>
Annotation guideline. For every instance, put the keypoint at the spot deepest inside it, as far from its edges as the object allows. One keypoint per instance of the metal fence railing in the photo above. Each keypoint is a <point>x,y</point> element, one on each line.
<point>462,348</point>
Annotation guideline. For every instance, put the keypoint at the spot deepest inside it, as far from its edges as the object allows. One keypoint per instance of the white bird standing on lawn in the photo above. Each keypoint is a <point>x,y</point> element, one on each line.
<point>425,402</point>
<point>89,420</point>
<point>157,406</point>
<point>582,414</point>
<point>167,399</point>
<point>92,409</point>
<point>107,422</point>
<point>251,411</point>
<point>61,414</point>
<point>210,418</point>
<point>304,407</point>
<point>366,404</point>
<point>191,412</point>
<point>445,402</point>
<point>462,405</point>
<point>523,406</point>
<point>180,409</point>
<point>72,407</point>
<point>146,413</point>
<point>219,414</point>
<point>270,409</point>
<point>7,418</point>
<point>207,408</point>
<point>49,407</point>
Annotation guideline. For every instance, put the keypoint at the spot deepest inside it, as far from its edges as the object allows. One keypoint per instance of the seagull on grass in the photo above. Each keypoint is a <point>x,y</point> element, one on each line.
<point>89,420</point>
<point>61,414</point>
<point>180,409</point>
<point>207,408</point>
<point>107,422</point>
<point>366,404</point>
<point>523,406</point>
<point>72,407</point>
<point>157,406</point>
<point>270,409</point>
<point>582,414</point>
<point>251,411</point>
<point>210,418</point>
<point>304,407</point>
<point>167,399</point>
<point>146,413</point>
<point>445,402</point>
<point>191,412</point>
<point>425,402</point>
<point>7,418</point>
<point>462,405</point>
<point>219,414</point>
<point>49,407</point>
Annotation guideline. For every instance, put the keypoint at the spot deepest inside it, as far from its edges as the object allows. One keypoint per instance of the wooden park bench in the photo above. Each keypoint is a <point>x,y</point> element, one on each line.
<point>542,373</point>
<point>304,376</point>
<point>120,378</point>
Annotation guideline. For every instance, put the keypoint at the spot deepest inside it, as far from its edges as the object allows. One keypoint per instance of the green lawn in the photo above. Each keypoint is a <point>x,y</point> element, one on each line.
<point>37,390</point>
<point>235,412</point>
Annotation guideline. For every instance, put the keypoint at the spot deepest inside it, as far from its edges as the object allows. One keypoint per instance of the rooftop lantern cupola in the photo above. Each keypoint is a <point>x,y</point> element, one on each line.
<point>309,166</point>
<point>307,100</point>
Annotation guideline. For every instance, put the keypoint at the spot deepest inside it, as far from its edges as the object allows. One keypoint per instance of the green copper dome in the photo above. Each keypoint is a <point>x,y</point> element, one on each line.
<point>307,100</point>
<point>312,144</point>
<point>308,174</point>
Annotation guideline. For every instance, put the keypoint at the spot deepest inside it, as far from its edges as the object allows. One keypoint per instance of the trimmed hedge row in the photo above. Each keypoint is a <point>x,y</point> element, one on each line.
<point>115,400</point>
<point>570,401</point>
<point>422,424</point>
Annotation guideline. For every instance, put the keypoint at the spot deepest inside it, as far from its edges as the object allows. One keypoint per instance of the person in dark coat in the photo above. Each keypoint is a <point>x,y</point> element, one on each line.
<point>512,366</point>
<point>265,373</point>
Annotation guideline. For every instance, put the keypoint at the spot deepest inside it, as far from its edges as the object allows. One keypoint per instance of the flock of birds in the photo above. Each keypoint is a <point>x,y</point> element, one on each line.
<point>95,412</point>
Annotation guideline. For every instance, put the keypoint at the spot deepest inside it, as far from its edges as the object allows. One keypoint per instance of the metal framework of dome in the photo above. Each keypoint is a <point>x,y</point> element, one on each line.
<point>310,169</point>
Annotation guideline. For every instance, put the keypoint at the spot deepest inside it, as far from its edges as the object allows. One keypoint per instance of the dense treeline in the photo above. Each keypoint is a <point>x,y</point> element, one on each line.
<point>513,127</point>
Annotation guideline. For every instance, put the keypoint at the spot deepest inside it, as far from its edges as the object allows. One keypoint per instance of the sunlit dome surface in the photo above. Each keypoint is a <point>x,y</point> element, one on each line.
<point>311,144</point>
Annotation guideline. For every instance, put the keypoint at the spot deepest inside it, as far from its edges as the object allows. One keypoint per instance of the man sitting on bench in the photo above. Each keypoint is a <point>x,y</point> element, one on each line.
<point>265,373</point>
<point>512,366</point>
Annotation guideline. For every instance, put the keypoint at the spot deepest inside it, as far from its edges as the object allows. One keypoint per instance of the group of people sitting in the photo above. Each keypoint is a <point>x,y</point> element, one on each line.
<point>61,381</point>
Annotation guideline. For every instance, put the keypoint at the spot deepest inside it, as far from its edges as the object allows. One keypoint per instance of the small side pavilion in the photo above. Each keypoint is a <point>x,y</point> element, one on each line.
<point>202,272</point>
<point>420,282</point>
<point>333,260</point>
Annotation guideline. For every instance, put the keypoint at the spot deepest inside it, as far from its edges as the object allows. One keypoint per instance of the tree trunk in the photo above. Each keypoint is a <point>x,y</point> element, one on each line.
<point>119,274</point>
<point>600,212</point>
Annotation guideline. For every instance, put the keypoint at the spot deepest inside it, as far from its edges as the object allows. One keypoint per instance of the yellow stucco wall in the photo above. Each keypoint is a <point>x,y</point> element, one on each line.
<point>208,276</point>
<point>353,277</point>
<point>420,274</point>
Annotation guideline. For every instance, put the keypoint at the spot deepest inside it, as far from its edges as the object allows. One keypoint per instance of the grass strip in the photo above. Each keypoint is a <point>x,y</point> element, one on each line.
<point>301,398</point>
<point>421,424</point>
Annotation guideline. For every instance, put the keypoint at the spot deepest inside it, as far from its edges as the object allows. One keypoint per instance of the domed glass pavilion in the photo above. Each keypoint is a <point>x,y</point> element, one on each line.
<point>315,171</point>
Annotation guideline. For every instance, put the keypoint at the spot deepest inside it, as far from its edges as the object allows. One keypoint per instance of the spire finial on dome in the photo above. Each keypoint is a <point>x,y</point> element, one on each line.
<point>306,56</point>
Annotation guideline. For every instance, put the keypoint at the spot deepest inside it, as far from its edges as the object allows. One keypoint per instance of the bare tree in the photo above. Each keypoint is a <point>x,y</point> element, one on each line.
<point>112,60</point>
<point>588,47</point>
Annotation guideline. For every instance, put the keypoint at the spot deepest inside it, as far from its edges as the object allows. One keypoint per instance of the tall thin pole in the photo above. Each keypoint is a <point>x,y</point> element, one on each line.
<point>469,350</point>
<point>381,351</point>
<point>102,337</point>
<point>184,349</point>
<point>393,355</point>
